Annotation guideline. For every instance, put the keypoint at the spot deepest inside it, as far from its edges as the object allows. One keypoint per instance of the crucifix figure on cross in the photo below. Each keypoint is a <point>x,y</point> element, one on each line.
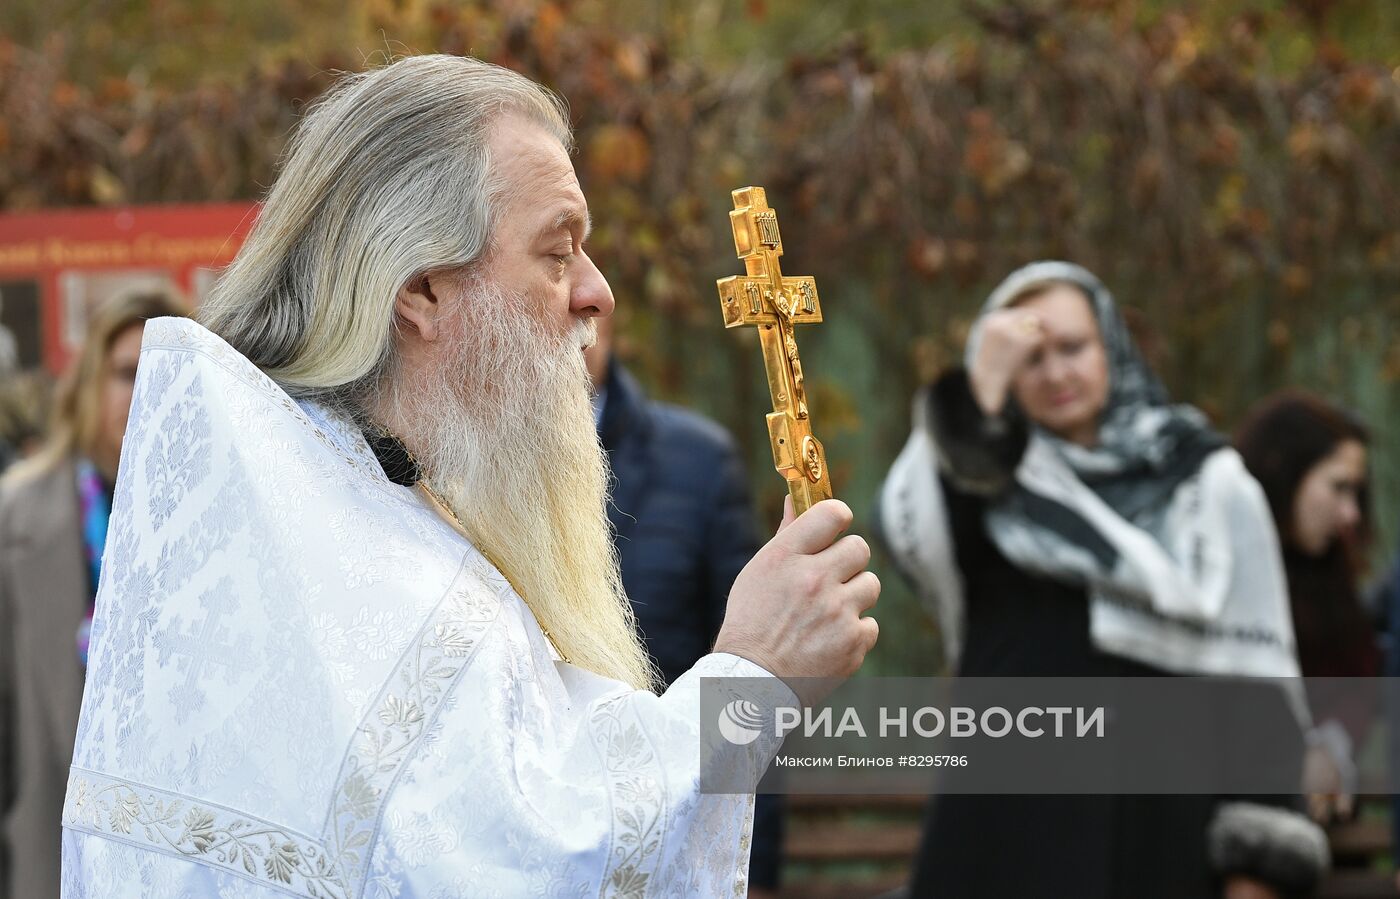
<point>764,298</point>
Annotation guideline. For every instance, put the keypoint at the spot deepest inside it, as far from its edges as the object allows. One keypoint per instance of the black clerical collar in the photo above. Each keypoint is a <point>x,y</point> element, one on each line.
<point>398,463</point>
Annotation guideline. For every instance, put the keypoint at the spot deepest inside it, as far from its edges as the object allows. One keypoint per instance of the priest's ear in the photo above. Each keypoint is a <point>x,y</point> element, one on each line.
<point>417,305</point>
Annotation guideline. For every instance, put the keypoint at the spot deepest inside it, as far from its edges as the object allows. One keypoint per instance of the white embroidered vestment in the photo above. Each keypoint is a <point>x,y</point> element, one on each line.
<point>304,683</point>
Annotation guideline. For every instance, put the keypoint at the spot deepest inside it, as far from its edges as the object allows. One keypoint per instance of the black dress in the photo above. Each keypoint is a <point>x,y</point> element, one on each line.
<point>1075,847</point>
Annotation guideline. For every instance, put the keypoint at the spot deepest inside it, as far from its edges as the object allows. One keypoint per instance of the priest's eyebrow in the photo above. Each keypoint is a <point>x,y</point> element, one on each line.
<point>574,221</point>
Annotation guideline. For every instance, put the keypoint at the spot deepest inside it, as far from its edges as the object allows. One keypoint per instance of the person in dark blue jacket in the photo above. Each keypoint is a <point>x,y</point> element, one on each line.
<point>684,528</point>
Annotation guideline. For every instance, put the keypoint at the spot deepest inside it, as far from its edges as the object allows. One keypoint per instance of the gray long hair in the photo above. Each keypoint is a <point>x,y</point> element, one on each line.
<point>387,178</point>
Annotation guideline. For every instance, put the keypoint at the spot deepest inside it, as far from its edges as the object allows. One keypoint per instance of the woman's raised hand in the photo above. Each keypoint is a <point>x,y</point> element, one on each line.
<point>1009,338</point>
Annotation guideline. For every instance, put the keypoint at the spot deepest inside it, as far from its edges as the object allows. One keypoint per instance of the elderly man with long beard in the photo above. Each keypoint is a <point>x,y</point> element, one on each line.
<point>360,630</point>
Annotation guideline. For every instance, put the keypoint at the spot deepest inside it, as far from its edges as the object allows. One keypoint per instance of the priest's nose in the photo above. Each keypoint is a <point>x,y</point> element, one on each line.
<point>591,296</point>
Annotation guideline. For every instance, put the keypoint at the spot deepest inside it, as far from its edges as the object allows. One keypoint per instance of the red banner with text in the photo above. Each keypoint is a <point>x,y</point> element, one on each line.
<point>57,266</point>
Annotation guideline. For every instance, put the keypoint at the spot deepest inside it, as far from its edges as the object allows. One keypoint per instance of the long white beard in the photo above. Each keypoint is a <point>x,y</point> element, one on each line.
<point>505,434</point>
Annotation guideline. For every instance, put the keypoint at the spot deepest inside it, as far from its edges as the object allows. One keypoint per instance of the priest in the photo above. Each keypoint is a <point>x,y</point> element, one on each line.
<point>360,630</point>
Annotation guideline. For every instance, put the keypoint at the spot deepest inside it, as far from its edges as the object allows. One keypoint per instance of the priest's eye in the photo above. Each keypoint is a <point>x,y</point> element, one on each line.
<point>562,259</point>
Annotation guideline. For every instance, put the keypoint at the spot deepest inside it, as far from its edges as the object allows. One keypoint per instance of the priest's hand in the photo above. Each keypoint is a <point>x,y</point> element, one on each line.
<point>795,608</point>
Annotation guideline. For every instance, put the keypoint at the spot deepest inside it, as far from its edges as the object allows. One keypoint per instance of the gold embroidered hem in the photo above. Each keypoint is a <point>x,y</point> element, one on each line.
<point>171,824</point>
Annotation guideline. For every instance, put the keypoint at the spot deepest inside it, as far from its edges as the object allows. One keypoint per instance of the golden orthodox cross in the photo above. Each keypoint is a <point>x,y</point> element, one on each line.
<point>774,304</point>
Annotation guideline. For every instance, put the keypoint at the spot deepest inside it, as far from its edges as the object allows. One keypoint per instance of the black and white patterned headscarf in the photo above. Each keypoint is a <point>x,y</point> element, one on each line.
<point>1147,446</point>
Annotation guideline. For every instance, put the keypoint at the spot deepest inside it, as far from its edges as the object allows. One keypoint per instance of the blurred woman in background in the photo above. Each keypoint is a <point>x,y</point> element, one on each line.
<point>1311,459</point>
<point>1064,519</point>
<point>53,526</point>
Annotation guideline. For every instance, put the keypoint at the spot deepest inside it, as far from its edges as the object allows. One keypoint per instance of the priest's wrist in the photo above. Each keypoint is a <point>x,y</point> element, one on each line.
<point>808,690</point>
<point>746,651</point>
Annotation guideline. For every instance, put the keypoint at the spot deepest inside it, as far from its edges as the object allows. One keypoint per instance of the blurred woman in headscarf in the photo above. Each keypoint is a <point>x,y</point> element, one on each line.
<point>1063,518</point>
<point>53,527</point>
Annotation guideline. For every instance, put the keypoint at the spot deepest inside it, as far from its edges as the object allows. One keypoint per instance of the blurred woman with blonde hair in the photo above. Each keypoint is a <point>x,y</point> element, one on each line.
<point>53,526</point>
